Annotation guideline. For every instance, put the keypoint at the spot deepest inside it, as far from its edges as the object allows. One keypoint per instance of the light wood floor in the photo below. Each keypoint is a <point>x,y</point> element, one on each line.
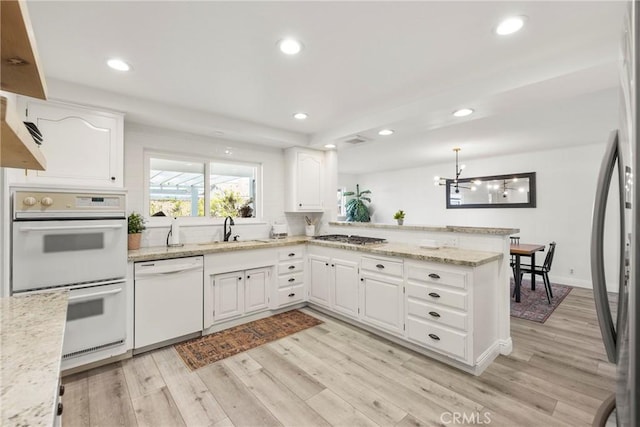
<point>335,374</point>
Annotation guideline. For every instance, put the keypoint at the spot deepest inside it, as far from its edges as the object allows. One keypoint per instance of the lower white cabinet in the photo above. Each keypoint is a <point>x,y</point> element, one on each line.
<point>381,294</point>
<point>290,287</point>
<point>344,286</point>
<point>319,280</point>
<point>240,292</point>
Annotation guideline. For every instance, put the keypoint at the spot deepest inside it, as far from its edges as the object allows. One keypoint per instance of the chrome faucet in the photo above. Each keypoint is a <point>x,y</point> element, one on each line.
<point>227,234</point>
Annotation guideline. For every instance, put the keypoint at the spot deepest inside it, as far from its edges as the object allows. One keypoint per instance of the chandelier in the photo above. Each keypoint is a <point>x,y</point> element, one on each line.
<point>443,181</point>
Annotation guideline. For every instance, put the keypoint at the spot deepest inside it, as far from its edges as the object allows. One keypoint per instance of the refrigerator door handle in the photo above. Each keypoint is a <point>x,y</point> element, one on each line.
<point>597,250</point>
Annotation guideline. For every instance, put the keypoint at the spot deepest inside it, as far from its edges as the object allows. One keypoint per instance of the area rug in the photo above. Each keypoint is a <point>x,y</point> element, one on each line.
<point>202,351</point>
<point>534,305</point>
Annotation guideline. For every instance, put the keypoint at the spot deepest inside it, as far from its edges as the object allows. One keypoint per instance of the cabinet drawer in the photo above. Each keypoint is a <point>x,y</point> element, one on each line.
<point>287,254</point>
<point>291,267</point>
<point>437,338</point>
<point>382,266</point>
<point>290,279</point>
<point>437,314</point>
<point>437,276</point>
<point>438,295</point>
<point>290,295</point>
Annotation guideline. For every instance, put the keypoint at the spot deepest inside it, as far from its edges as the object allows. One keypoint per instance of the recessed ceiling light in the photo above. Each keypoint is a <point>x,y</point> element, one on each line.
<point>290,46</point>
<point>300,116</point>
<point>330,146</point>
<point>385,132</point>
<point>118,64</point>
<point>510,25</point>
<point>463,112</point>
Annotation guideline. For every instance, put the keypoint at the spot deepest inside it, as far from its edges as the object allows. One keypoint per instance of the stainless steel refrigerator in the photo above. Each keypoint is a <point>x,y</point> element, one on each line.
<point>620,333</point>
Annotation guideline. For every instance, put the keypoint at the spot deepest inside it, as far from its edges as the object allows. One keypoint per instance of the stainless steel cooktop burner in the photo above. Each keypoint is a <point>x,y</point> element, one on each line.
<point>353,240</point>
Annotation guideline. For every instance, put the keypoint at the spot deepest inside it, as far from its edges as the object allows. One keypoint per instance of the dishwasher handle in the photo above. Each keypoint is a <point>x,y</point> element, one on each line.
<point>170,269</point>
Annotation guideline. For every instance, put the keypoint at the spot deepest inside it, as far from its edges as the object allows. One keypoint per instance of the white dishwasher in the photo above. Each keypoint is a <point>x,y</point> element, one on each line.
<point>168,301</point>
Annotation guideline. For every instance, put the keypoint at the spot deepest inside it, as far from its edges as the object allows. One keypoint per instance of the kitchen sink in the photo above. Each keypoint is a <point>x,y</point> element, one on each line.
<point>233,242</point>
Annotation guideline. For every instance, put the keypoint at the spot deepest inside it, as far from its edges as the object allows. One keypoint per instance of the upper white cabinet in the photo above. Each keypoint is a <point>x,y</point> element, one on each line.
<point>304,180</point>
<point>82,147</point>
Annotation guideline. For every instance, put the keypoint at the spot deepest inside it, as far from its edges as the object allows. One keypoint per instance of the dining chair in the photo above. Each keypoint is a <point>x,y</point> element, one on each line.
<point>515,240</point>
<point>542,270</point>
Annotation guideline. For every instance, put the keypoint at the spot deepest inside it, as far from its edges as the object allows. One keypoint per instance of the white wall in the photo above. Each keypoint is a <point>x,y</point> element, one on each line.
<point>140,139</point>
<point>566,180</point>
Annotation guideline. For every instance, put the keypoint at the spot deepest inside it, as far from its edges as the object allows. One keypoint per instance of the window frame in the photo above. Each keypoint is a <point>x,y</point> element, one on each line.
<point>206,218</point>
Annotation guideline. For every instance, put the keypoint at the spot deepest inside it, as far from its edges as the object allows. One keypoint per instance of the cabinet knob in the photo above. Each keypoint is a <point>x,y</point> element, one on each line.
<point>379,266</point>
<point>60,408</point>
<point>434,314</point>
<point>300,204</point>
<point>434,276</point>
<point>326,263</point>
<point>362,279</point>
<point>434,295</point>
<point>248,277</point>
<point>113,178</point>
<point>434,337</point>
<point>292,280</point>
<point>61,390</point>
<point>239,278</point>
<point>332,265</point>
<point>292,295</point>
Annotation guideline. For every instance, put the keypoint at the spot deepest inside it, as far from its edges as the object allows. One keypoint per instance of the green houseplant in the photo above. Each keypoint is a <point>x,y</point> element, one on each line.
<point>357,210</point>
<point>135,225</point>
<point>399,216</point>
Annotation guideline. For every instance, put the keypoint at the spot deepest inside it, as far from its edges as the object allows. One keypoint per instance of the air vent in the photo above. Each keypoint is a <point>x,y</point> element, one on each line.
<point>356,139</point>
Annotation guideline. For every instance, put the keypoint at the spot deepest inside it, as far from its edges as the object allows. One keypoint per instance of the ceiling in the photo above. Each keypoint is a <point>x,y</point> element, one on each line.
<point>364,66</point>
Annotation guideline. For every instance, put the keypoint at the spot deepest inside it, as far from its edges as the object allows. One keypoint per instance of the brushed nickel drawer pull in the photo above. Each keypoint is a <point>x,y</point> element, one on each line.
<point>434,276</point>
<point>434,314</point>
<point>292,295</point>
<point>434,337</point>
<point>380,266</point>
<point>292,279</point>
<point>434,295</point>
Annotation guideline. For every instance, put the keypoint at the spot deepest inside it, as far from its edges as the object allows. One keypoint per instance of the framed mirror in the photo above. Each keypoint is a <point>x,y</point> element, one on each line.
<point>498,191</point>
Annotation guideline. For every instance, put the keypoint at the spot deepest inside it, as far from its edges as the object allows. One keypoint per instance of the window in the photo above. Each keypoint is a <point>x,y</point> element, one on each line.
<point>177,188</point>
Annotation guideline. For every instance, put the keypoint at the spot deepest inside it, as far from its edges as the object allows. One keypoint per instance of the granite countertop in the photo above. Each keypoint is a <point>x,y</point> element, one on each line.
<point>194,249</point>
<point>440,229</point>
<point>454,256</point>
<point>31,333</point>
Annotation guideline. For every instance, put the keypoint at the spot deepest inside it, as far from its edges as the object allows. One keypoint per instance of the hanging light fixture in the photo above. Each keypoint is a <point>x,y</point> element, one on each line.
<point>443,181</point>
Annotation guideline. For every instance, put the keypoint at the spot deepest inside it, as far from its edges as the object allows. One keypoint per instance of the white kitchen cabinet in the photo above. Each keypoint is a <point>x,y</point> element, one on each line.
<point>304,180</point>
<point>381,294</point>
<point>345,287</point>
<point>319,280</point>
<point>83,147</point>
<point>239,293</point>
<point>291,283</point>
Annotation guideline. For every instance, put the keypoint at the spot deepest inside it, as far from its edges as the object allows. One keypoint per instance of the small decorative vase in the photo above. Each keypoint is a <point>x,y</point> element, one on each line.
<point>133,241</point>
<point>310,230</point>
<point>400,221</point>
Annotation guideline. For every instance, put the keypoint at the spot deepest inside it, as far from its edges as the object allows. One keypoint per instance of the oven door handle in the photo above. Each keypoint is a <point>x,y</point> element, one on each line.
<point>96,294</point>
<point>72,227</point>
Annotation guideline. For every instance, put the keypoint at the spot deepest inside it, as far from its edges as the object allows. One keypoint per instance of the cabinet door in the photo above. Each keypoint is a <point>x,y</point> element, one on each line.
<point>345,287</point>
<point>256,296</point>
<point>81,147</point>
<point>228,294</point>
<point>381,303</point>
<point>319,277</point>
<point>309,180</point>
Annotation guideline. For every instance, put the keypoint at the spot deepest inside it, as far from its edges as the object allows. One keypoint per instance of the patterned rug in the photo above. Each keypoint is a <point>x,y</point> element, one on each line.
<point>202,351</point>
<point>534,305</point>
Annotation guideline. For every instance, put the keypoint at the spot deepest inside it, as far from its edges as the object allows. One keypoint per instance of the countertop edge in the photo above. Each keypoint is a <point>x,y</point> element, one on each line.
<point>496,231</point>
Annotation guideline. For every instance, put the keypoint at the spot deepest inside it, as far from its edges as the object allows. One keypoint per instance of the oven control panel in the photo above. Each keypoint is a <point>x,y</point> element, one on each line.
<point>33,204</point>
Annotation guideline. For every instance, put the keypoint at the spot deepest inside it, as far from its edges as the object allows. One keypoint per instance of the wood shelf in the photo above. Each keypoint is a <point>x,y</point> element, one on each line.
<point>19,71</point>
<point>17,148</point>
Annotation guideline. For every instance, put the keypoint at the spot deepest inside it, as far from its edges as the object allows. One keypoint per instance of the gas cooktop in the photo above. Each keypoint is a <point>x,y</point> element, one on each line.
<point>353,240</point>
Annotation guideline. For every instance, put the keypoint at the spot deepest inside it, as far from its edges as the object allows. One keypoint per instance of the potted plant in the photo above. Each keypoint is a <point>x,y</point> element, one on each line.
<point>246,211</point>
<point>135,227</point>
<point>356,209</point>
<point>399,216</point>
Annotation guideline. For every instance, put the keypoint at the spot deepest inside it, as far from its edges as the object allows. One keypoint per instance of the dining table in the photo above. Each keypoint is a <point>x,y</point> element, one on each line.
<point>519,250</point>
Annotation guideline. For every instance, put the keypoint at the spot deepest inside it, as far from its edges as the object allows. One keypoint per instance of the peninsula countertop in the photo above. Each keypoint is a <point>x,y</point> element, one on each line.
<point>446,255</point>
<point>32,334</point>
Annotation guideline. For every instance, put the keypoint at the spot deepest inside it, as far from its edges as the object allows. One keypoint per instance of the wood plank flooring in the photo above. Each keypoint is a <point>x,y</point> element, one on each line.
<point>336,374</point>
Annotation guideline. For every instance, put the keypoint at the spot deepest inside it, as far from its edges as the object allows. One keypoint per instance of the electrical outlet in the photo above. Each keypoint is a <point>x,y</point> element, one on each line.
<point>571,271</point>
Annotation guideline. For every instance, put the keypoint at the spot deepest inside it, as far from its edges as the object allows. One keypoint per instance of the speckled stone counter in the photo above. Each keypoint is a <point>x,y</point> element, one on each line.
<point>32,333</point>
<point>163,252</point>
<point>454,256</point>
<point>438,229</point>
